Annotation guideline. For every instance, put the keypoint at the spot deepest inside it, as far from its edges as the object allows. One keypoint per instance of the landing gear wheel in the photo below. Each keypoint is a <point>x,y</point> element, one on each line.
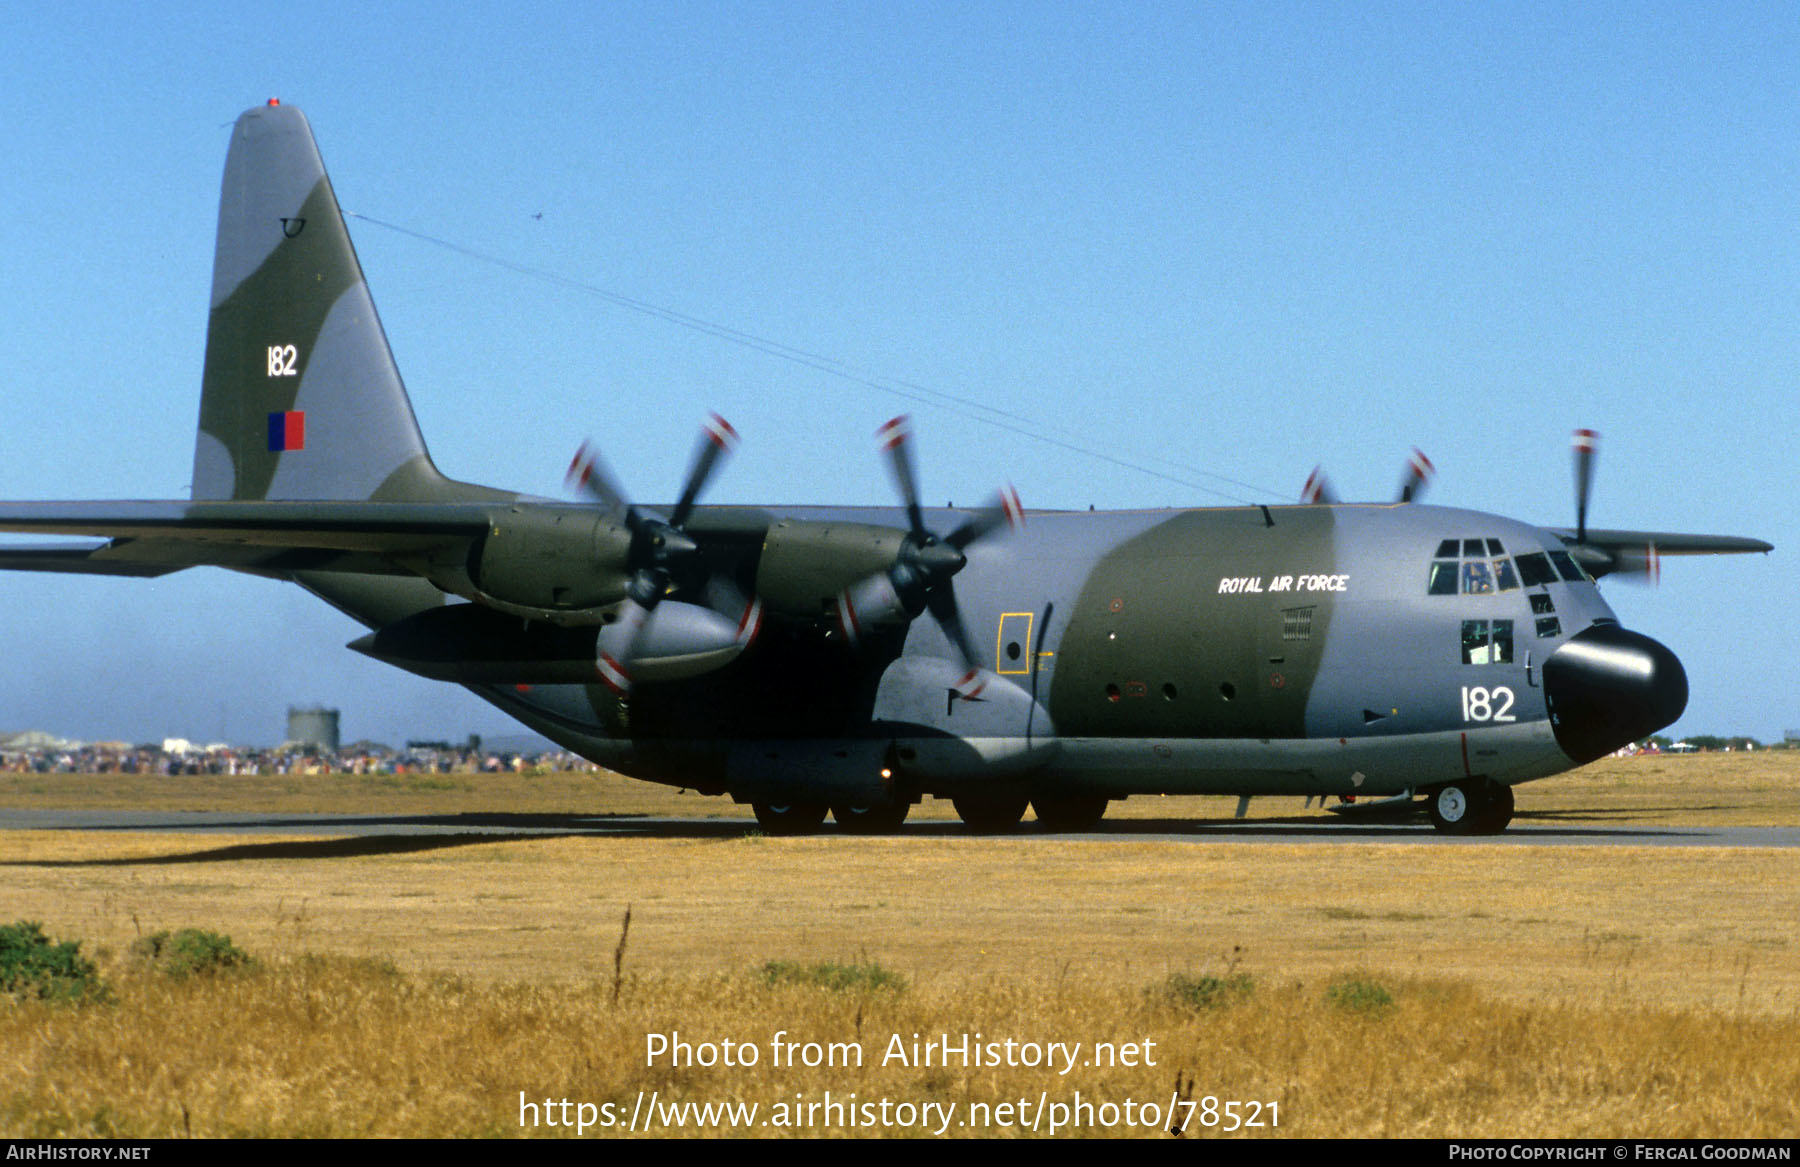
<point>780,818</point>
<point>1068,812</point>
<point>870,820</point>
<point>1476,807</point>
<point>991,814</point>
<point>1451,809</point>
<point>1499,810</point>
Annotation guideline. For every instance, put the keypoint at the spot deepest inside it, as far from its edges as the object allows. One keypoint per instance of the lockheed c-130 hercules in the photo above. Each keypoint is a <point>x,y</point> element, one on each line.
<point>1069,658</point>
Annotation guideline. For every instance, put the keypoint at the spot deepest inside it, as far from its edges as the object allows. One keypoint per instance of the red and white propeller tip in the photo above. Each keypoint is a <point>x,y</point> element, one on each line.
<point>1419,473</point>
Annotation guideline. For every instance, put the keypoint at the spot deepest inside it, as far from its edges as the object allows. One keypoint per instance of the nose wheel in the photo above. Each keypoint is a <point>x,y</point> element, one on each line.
<point>1478,806</point>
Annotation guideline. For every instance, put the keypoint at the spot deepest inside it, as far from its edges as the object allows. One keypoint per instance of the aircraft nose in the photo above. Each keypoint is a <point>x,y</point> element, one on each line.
<point>1607,687</point>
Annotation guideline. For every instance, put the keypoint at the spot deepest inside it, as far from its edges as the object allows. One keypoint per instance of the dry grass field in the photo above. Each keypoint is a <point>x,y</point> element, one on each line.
<point>418,985</point>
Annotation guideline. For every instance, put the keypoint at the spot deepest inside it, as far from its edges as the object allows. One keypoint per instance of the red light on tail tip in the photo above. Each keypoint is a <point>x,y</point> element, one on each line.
<point>274,101</point>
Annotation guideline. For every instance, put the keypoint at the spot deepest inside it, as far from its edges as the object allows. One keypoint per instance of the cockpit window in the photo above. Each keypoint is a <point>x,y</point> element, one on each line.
<point>1567,567</point>
<point>1487,642</point>
<point>1535,569</point>
<point>1482,570</point>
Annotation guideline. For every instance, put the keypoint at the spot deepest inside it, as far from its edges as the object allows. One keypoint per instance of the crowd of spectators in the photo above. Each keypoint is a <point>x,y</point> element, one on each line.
<point>22,753</point>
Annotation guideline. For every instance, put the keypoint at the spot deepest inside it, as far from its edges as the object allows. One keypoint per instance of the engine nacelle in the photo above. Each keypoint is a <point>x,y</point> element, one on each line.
<point>549,560</point>
<point>805,565</point>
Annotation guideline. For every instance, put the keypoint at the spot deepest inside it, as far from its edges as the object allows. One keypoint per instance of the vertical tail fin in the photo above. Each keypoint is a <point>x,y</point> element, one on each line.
<point>301,398</point>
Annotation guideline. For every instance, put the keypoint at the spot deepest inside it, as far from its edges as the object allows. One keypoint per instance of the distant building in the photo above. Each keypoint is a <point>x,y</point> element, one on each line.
<point>34,739</point>
<point>315,729</point>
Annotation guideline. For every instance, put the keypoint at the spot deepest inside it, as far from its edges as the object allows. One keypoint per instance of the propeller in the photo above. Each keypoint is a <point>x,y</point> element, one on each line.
<point>1587,445</point>
<point>1419,473</point>
<point>1318,488</point>
<point>1634,564</point>
<point>1638,564</point>
<point>919,579</point>
<point>1631,564</point>
<point>661,553</point>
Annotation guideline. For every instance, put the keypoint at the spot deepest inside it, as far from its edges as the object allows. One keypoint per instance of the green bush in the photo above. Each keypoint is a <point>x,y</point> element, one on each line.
<point>191,952</point>
<point>831,975</point>
<point>1357,995</point>
<point>32,967</point>
<point>1207,992</point>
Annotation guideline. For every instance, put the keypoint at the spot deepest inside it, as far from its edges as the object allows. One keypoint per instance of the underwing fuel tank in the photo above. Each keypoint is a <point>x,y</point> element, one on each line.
<point>472,644</point>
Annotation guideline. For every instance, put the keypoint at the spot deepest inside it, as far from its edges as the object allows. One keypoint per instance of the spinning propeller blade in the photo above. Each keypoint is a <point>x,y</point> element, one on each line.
<point>1587,444</point>
<point>919,579</point>
<point>1419,472</point>
<point>1634,564</point>
<point>661,554</point>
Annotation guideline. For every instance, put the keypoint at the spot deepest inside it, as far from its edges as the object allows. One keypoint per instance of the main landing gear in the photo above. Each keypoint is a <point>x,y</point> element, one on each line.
<point>1475,806</point>
<point>780,818</point>
<point>987,814</point>
<point>990,814</point>
<point>788,819</point>
<point>999,814</point>
<point>1069,812</point>
<point>870,820</point>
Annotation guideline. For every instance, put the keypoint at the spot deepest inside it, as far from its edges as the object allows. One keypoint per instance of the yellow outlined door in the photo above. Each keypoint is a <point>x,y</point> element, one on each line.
<point>1012,647</point>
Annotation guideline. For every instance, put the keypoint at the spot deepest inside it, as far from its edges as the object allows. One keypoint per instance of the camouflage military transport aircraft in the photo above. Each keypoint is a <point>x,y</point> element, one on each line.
<point>778,654</point>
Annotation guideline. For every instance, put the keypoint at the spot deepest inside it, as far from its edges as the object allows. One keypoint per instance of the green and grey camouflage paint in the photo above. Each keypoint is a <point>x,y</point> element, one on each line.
<point>1242,650</point>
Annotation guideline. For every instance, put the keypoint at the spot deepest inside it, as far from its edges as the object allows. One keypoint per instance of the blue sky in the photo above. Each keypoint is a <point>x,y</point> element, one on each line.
<point>1221,242</point>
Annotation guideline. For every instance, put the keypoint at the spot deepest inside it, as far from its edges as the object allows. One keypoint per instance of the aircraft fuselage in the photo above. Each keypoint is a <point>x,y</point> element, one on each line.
<point>1301,650</point>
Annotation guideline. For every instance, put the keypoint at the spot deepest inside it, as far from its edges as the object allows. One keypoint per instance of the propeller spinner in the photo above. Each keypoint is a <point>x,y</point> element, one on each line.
<point>652,630</point>
<point>919,579</point>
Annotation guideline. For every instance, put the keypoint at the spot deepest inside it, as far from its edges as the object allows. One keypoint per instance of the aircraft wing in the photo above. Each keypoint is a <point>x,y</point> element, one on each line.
<point>1667,542</point>
<point>1636,552</point>
<point>78,560</point>
<point>154,538</point>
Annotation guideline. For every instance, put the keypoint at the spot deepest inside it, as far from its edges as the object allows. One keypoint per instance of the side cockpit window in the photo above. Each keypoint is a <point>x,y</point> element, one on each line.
<point>1567,566</point>
<point>1487,642</point>
<point>1535,569</point>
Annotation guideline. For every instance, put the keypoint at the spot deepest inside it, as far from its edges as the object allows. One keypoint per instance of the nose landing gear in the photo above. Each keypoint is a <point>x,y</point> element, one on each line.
<point>1474,806</point>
